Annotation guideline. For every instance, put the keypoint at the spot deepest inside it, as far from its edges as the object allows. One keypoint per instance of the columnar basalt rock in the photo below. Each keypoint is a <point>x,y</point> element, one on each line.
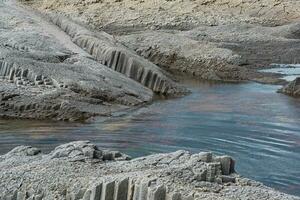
<point>45,77</point>
<point>79,171</point>
<point>181,54</point>
<point>113,190</point>
<point>52,81</point>
<point>105,49</point>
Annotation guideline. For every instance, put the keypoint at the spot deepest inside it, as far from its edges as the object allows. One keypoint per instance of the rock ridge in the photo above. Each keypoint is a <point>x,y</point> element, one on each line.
<point>81,170</point>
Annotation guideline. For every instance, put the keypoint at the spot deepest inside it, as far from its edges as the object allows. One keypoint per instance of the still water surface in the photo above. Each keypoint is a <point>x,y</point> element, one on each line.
<point>251,122</point>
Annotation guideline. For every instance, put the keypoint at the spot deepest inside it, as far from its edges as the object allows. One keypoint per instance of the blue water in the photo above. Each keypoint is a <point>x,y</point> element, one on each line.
<point>290,72</point>
<point>251,122</point>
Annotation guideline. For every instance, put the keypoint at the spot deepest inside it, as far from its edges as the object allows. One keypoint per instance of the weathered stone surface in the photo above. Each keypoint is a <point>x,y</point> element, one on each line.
<point>87,195</point>
<point>122,188</point>
<point>44,75</point>
<point>108,191</point>
<point>214,40</point>
<point>175,196</point>
<point>105,49</point>
<point>24,151</point>
<point>127,15</point>
<point>181,54</point>
<point>80,150</point>
<point>292,89</point>
<point>154,177</point>
<point>158,193</point>
<point>96,192</point>
<point>227,164</point>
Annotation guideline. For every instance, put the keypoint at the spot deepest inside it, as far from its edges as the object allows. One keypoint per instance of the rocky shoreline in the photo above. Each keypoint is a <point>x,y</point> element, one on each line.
<point>45,75</point>
<point>72,64</point>
<point>81,170</point>
<point>59,67</point>
<point>211,40</point>
<point>292,89</point>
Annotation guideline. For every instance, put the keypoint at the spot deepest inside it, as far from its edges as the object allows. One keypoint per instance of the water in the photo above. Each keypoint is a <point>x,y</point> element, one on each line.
<point>290,72</point>
<point>251,122</point>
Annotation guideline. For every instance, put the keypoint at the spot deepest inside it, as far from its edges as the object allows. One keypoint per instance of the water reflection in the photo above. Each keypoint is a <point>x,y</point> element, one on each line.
<point>250,122</point>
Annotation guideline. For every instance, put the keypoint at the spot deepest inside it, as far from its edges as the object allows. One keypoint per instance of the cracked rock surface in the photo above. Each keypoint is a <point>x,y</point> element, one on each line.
<point>225,40</point>
<point>45,75</point>
<point>81,170</point>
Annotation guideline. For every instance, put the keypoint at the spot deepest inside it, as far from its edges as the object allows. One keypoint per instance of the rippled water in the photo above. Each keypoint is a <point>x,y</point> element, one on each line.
<point>251,122</point>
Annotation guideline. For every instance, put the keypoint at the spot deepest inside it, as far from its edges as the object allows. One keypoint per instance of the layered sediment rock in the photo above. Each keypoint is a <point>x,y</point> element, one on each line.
<point>81,170</point>
<point>292,89</point>
<point>105,49</point>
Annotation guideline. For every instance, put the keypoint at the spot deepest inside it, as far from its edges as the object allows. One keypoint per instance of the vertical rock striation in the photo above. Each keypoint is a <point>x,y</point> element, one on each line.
<point>106,50</point>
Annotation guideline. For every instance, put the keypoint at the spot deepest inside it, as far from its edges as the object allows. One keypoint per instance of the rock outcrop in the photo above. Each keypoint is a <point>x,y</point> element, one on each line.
<point>127,15</point>
<point>45,75</point>
<point>82,150</point>
<point>292,89</point>
<point>105,49</point>
<point>180,54</point>
<point>212,40</point>
<point>81,170</point>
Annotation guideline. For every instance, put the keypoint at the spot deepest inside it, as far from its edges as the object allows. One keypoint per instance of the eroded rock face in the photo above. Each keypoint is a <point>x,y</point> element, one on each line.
<point>44,75</point>
<point>85,150</point>
<point>24,151</point>
<point>231,52</point>
<point>105,49</point>
<point>81,170</point>
<point>178,53</point>
<point>292,89</point>
<point>213,40</point>
<point>175,14</point>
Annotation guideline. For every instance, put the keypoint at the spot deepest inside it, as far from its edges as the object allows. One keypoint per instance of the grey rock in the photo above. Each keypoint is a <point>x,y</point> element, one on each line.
<point>81,150</point>
<point>24,151</point>
<point>122,188</point>
<point>108,191</point>
<point>53,78</point>
<point>152,177</point>
<point>105,49</point>
<point>95,193</point>
<point>227,164</point>
<point>292,88</point>
<point>158,193</point>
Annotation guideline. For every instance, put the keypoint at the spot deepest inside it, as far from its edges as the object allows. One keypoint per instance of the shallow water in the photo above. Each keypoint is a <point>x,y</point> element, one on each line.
<point>251,122</point>
<point>290,72</point>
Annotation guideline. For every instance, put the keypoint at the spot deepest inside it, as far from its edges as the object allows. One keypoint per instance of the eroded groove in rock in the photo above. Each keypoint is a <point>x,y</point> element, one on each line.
<point>34,89</point>
<point>44,75</point>
<point>15,73</point>
<point>82,171</point>
<point>18,47</point>
<point>114,55</point>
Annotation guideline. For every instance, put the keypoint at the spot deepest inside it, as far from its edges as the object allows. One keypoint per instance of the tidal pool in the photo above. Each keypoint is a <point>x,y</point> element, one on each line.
<point>251,122</point>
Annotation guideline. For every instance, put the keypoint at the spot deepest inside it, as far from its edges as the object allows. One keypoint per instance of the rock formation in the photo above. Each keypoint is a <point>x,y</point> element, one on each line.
<point>44,75</point>
<point>81,170</point>
<point>174,14</point>
<point>212,40</point>
<point>292,89</point>
<point>112,54</point>
<point>181,54</point>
